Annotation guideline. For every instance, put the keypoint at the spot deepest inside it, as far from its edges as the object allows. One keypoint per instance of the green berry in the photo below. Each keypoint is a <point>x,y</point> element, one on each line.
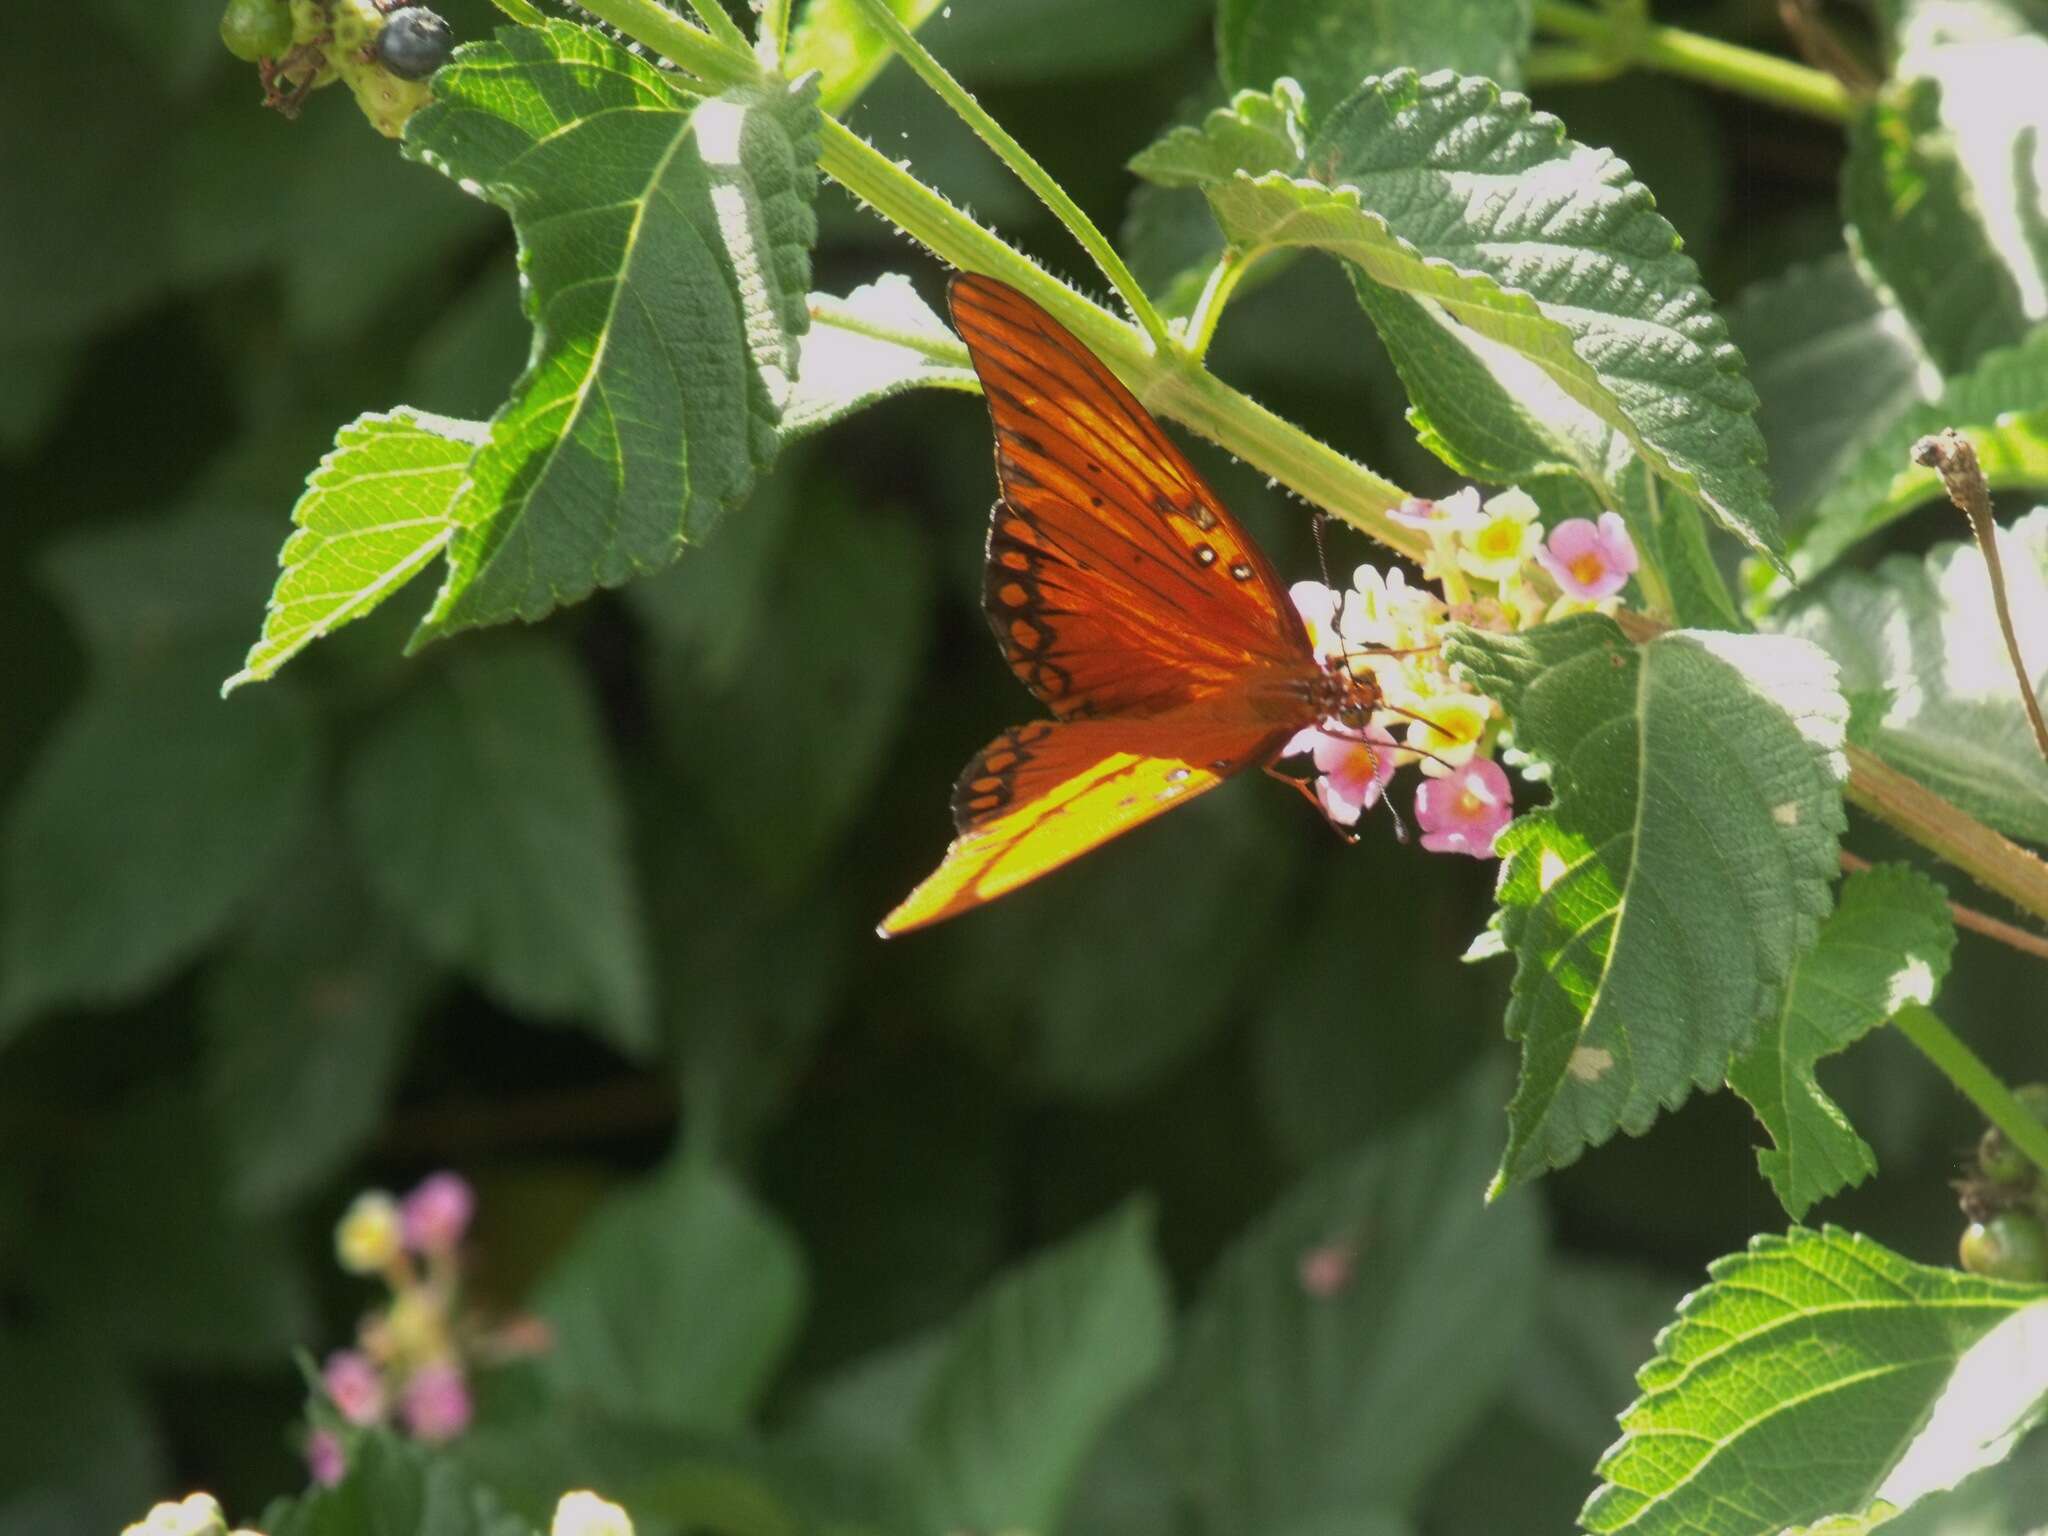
<point>2013,1245</point>
<point>256,29</point>
<point>2002,1162</point>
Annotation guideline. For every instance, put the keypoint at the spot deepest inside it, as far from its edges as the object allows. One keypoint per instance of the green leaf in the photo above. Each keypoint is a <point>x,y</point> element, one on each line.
<point>1035,1371</point>
<point>1656,909</point>
<point>2001,405</point>
<point>1832,365</point>
<point>878,341</point>
<point>1575,270</point>
<point>153,811</point>
<point>374,514</point>
<point>676,1304</point>
<point>1256,133</point>
<point>1917,222</point>
<point>1886,1373</point>
<point>1301,1405</point>
<point>486,815</point>
<point>666,252</point>
<point>1329,49</point>
<point>847,50</point>
<point>1926,633</point>
<point>306,1021</point>
<point>395,1488</point>
<point>1887,943</point>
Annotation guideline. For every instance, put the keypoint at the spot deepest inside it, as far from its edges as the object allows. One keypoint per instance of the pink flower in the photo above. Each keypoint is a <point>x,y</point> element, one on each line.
<point>1463,812</point>
<point>325,1458</point>
<point>437,1213</point>
<point>1589,560</point>
<point>437,1405</point>
<point>1326,1270</point>
<point>1352,772</point>
<point>354,1386</point>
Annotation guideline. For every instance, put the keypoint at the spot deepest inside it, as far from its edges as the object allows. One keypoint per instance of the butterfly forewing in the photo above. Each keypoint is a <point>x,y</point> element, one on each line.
<point>1116,581</point>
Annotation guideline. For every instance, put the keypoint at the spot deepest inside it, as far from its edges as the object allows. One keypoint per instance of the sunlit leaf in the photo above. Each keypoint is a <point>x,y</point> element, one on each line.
<point>1923,636</point>
<point>1256,132</point>
<point>2001,405</point>
<point>878,341</point>
<point>1887,943</point>
<point>665,247</point>
<point>1819,1373</point>
<point>1575,271</point>
<point>1657,907</point>
<point>375,514</point>
<point>847,50</point>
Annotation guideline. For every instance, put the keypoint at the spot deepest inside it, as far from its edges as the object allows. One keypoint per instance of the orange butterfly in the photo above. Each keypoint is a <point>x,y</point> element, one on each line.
<point>1130,601</point>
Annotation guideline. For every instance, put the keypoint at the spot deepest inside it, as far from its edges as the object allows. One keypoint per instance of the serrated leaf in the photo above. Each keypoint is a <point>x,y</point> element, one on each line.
<point>666,253</point>
<point>1329,49</point>
<point>676,1303</point>
<point>878,341</point>
<point>1446,190</point>
<point>1657,907</point>
<point>1034,1373</point>
<point>1925,633</point>
<point>2001,405</point>
<point>1887,943</point>
<point>1297,1403</point>
<point>395,1488</point>
<point>1257,132</point>
<point>305,1022</point>
<point>1916,220</point>
<point>485,813</point>
<point>1832,365</point>
<point>847,50</point>
<point>1875,1367</point>
<point>375,513</point>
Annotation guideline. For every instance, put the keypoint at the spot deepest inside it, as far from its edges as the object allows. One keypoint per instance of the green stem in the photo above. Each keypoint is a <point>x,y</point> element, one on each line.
<point>1019,160</point>
<point>1223,279</point>
<point>1765,76</point>
<point>841,316</point>
<point>1567,66</point>
<point>773,41</point>
<point>1975,1081</point>
<point>1167,382</point>
<point>690,49</point>
<point>719,25</point>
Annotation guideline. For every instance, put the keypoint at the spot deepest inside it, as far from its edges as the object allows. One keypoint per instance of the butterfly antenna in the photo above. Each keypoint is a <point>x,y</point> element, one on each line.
<point>1322,550</point>
<point>1400,826</point>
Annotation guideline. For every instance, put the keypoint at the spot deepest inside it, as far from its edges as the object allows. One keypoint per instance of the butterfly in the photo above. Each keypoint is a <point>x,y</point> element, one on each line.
<point>1126,598</point>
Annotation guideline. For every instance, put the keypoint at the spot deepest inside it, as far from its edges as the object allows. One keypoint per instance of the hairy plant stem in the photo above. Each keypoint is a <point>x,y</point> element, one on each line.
<point>1948,832</point>
<point>721,26</point>
<point>1020,161</point>
<point>1975,1081</point>
<point>1762,76</point>
<point>1223,279</point>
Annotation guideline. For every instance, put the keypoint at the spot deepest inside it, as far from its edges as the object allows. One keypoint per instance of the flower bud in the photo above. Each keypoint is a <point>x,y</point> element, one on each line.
<point>585,1514</point>
<point>437,1213</point>
<point>197,1514</point>
<point>366,1239</point>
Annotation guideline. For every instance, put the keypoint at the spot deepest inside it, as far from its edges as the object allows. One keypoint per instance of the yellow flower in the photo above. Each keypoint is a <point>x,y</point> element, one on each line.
<point>585,1514</point>
<point>1451,733</point>
<point>368,1238</point>
<point>197,1514</point>
<point>1505,538</point>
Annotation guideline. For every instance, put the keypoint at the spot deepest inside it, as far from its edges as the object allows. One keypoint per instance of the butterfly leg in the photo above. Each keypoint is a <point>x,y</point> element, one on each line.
<point>1300,786</point>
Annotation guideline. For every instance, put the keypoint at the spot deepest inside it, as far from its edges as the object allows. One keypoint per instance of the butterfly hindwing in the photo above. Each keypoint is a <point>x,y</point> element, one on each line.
<point>1116,581</point>
<point>1042,794</point>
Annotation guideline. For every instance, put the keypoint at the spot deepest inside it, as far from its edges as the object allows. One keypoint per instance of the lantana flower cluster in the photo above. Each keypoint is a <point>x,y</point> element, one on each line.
<point>411,1363</point>
<point>1495,570</point>
<point>581,1513</point>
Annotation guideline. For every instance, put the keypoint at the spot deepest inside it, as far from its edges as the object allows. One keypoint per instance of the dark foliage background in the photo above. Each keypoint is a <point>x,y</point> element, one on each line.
<point>196,293</point>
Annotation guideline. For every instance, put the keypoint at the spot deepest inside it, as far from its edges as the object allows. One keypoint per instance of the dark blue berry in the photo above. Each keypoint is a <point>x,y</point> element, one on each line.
<point>414,43</point>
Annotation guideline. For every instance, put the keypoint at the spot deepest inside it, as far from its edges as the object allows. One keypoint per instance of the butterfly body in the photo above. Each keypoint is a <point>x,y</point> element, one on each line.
<point>1126,597</point>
